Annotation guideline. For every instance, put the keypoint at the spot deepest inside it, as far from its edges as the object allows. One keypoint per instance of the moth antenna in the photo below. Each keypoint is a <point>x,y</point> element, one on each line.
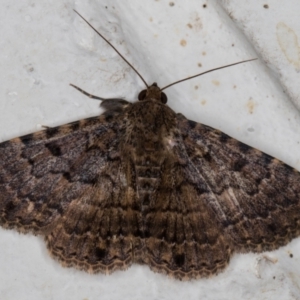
<point>188,78</point>
<point>131,66</point>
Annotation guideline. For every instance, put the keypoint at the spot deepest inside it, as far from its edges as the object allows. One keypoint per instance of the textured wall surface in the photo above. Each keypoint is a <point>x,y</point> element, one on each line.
<point>44,47</point>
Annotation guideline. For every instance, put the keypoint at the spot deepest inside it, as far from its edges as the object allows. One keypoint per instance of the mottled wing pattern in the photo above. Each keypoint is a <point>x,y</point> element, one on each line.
<point>256,197</point>
<point>178,230</point>
<point>142,184</point>
<point>38,176</point>
<point>65,183</point>
<point>184,239</point>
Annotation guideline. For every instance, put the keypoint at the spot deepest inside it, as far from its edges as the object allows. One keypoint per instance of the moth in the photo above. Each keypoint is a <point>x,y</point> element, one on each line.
<point>143,184</point>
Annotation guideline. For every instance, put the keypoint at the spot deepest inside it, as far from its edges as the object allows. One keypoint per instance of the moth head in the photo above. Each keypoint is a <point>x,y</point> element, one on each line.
<point>153,92</point>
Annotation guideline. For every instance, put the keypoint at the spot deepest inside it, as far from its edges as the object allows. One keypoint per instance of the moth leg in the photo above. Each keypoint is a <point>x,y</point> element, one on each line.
<point>92,96</point>
<point>86,93</point>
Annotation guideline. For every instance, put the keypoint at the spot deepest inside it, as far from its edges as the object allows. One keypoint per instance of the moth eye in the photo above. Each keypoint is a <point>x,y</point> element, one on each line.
<point>164,98</point>
<point>142,95</point>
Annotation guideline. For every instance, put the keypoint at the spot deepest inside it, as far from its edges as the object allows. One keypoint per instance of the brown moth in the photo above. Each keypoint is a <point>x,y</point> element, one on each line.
<point>143,184</point>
